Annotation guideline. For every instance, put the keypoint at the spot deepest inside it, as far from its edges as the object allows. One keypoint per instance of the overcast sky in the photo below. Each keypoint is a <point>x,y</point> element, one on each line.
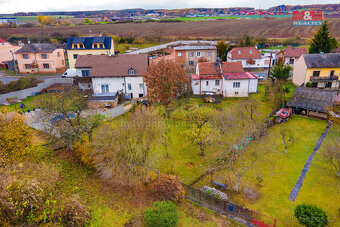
<point>12,6</point>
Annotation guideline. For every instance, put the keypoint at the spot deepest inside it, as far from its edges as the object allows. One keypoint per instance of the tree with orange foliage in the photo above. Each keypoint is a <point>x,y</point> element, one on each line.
<point>15,136</point>
<point>165,81</point>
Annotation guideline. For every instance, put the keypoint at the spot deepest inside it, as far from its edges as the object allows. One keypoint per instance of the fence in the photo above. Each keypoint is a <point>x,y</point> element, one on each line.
<point>249,217</point>
<point>180,42</point>
<point>22,94</point>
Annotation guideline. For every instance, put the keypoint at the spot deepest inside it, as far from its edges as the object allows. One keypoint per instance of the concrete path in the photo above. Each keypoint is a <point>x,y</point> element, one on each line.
<point>294,193</point>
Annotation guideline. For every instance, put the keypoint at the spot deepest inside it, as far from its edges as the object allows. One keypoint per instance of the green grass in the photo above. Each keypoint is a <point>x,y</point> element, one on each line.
<point>16,107</point>
<point>123,47</point>
<point>280,172</point>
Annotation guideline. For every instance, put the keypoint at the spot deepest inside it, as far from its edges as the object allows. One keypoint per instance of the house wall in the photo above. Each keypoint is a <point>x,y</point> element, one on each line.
<point>287,61</point>
<point>299,72</point>
<point>253,85</point>
<point>195,85</point>
<point>210,87</point>
<point>209,55</point>
<point>5,54</point>
<point>56,64</point>
<point>72,61</point>
<point>120,83</point>
<point>229,90</point>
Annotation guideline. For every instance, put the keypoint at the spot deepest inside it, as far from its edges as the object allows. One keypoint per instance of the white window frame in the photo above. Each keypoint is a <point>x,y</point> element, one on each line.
<point>236,84</point>
<point>132,72</point>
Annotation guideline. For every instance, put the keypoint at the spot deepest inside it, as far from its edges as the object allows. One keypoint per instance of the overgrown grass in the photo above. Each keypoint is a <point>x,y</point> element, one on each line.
<point>123,47</point>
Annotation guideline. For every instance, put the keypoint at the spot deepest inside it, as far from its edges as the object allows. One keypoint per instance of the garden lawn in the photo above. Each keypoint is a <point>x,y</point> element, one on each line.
<point>16,107</point>
<point>123,47</point>
<point>279,172</point>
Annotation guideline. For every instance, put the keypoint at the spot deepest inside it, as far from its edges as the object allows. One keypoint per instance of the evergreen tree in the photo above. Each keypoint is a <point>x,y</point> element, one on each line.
<point>322,41</point>
<point>248,41</point>
<point>222,50</point>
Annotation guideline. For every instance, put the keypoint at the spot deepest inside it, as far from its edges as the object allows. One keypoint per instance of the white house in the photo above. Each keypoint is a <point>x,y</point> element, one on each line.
<point>239,84</point>
<point>250,57</point>
<point>226,78</point>
<point>110,74</point>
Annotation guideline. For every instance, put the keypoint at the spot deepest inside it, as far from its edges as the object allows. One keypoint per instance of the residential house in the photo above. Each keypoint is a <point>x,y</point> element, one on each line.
<point>40,58</point>
<point>320,70</point>
<point>291,54</point>
<point>6,50</point>
<point>110,74</point>
<point>313,102</point>
<point>250,57</point>
<point>226,78</point>
<point>88,46</point>
<point>189,56</point>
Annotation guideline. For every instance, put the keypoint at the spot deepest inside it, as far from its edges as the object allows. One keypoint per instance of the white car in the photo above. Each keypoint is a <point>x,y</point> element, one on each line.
<point>69,73</point>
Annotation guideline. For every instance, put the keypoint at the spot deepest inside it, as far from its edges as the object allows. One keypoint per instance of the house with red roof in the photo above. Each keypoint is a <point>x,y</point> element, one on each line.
<point>226,78</point>
<point>250,57</point>
<point>291,54</point>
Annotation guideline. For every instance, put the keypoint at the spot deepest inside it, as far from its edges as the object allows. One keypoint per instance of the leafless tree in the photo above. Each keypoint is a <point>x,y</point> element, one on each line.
<point>288,138</point>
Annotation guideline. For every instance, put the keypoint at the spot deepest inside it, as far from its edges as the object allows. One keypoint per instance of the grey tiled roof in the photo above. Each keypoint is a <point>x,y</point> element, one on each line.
<point>331,60</point>
<point>314,99</point>
<point>37,48</point>
<point>195,48</point>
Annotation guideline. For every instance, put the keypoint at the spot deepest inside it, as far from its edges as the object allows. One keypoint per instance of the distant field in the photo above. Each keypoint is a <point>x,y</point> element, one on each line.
<point>228,28</point>
<point>228,17</point>
<point>25,18</point>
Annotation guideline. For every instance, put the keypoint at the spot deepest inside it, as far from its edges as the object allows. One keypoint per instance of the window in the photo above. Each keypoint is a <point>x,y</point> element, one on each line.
<point>192,54</point>
<point>46,66</point>
<point>141,86</point>
<point>236,84</point>
<point>101,45</point>
<point>198,54</point>
<point>81,45</point>
<point>328,85</point>
<point>251,52</point>
<point>291,61</point>
<point>105,88</point>
<point>197,83</point>
<point>25,56</point>
<point>208,54</point>
<point>331,73</point>
<point>207,83</point>
<point>316,73</point>
<point>217,82</point>
<point>236,92</point>
<point>239,52</point>
<point>62,62</point>
<point>44,56</point>
<point>131,72</point>
<point>58,54</point>
<point>180,54</point>
<point>75,56</point>
<point>129,87</point>
<point>27,66</point>
<point>85,73</point>
<point>191,63</point>
<point>140,95</point>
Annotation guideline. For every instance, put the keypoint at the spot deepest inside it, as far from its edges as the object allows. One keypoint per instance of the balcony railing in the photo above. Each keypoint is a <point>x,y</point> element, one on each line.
<point>319,79</point>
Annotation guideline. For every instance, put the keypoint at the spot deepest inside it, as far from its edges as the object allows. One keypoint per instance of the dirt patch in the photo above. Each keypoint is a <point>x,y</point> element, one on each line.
<point>190,165</point>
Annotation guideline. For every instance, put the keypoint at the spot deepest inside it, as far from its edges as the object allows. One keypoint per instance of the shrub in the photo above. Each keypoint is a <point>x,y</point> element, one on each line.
<point>162,214</point>
<point>309,84</point>
<point>74,213</point>
<point>310,215</point>
<point>167,187</point>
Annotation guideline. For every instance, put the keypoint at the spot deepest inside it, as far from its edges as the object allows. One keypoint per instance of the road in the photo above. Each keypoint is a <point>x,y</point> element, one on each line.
<point>6,78</point>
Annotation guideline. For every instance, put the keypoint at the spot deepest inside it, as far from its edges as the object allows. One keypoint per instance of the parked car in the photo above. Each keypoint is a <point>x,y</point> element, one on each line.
<point>283,115</point>
<point>69,73</point>
<point>260,77</point>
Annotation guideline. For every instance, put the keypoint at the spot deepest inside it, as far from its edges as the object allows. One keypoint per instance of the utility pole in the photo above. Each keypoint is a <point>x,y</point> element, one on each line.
<point>270,64</point>
<point>15,66</point>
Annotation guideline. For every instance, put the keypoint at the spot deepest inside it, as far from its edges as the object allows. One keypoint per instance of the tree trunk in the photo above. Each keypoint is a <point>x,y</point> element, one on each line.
<point>202,150</point>
<point>166,111</point>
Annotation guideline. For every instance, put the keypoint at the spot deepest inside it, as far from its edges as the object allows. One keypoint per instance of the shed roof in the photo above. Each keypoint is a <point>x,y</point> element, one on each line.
<point>214,68</point>
<point>330,60</point>
<point>314,99</point>
<point>36,48</point>
<point>3,41</point>
<point>113,66</point>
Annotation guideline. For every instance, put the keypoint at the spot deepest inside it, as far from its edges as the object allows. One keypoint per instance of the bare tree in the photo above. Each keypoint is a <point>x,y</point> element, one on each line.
<point>288,138</point>
<point>331,153</point>
<point>159,33</point>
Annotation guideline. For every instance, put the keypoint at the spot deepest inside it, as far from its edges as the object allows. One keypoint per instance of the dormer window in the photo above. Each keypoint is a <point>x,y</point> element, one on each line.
<point>131,72</point>
<point>97,45</point>
<point>251,52</point>
<point>239,52</point>
<point>77,46</point>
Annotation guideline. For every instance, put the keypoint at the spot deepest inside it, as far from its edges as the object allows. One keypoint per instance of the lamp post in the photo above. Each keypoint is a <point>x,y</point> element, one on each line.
<point>15,67</point>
